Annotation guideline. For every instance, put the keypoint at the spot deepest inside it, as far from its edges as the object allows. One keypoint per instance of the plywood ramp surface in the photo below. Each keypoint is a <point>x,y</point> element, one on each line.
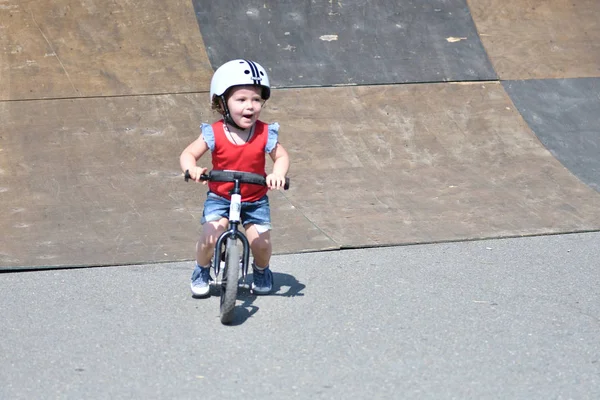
<point>530,39</point>
<point>83,48</point>
<point>416,163</point>
<point>378,165</point>
<point>97,101</point>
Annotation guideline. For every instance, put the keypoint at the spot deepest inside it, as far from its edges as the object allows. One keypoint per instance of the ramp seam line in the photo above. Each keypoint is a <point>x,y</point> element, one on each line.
<point>473,82</point>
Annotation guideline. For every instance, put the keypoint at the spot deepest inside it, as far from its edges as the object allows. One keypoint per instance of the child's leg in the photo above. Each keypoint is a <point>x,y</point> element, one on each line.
<point>204,251</point>
<point>257,224</point>
<point>260,244</point>
<point>214,222</point>
<point>206,244</point>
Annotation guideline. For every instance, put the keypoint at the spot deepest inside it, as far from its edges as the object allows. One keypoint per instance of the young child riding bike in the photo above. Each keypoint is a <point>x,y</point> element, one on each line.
<point>238,141</point>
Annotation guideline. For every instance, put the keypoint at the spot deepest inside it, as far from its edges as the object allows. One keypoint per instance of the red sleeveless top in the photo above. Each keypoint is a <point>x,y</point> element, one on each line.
<point>248,157</point>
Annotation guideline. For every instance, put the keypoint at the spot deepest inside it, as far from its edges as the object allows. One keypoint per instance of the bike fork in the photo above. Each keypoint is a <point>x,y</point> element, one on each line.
<point>233,233</point>
<point>222,241</point>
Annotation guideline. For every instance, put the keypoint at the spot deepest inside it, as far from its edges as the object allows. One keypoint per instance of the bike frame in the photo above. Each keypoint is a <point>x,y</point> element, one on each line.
<point>235,208</point>
<point>233,232</point>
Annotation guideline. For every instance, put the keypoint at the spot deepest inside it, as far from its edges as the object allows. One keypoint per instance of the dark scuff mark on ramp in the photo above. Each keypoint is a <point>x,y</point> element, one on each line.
<point>328,43</point>
<point>565,115</point>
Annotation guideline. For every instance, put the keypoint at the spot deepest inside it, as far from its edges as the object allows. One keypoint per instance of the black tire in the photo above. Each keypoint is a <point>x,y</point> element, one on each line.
<point>229,281</point>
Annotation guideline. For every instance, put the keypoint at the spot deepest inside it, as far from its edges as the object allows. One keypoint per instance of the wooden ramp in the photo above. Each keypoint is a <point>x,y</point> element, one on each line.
<point>98,100</point>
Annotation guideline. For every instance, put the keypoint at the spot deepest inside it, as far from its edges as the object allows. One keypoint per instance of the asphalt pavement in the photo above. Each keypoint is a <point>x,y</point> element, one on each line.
<point>494,319</point>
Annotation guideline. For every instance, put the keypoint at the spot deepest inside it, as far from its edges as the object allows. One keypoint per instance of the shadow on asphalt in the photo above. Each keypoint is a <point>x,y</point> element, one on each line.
<point>284,285</point>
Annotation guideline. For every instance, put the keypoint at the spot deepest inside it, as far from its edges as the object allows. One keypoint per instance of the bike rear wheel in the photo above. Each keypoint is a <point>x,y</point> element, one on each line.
<point>229,281</point>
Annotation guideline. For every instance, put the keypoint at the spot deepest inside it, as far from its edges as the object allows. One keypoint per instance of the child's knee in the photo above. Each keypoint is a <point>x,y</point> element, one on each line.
<point>208,240</point>
<point>205,245</point>
<point>261,244</point>
<point>211,232</point>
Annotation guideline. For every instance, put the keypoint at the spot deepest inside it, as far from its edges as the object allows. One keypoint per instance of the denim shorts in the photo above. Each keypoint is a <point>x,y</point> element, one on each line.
<point>257,212</point>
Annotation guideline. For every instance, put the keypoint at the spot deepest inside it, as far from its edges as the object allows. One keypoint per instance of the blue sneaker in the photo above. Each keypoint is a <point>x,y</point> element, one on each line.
<point>262,280</point>
<point>200,281</point>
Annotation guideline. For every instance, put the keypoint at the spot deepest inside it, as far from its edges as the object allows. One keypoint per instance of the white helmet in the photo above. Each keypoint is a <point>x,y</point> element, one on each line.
<point>239,72</point>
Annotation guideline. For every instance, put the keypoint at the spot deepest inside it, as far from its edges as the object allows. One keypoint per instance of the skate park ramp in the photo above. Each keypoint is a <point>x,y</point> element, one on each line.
<point>406,122</point>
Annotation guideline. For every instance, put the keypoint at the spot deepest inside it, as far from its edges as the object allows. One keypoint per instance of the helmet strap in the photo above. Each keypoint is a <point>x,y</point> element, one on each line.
<point>227,115</point>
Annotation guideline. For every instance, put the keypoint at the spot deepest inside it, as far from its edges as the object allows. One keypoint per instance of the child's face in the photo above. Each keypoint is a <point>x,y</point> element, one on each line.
<point>244,105</point>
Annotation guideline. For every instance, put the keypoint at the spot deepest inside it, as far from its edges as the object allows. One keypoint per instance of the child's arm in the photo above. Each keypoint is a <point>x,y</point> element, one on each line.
<point>189,157</point>
<point>281,165</point>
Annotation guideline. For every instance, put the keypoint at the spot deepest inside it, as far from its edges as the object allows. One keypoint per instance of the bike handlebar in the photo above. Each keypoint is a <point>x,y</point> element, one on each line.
<point>232,176</point>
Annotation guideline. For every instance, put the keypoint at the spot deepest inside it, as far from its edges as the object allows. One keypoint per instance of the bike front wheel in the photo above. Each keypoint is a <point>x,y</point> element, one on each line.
<point>229,281</point>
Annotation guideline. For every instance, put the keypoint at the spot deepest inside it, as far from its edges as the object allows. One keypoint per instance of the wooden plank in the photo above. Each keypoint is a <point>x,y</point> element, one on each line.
<point>417,163</point>
<point>97,181</point>
<point>71,49</point>
<point>530,39</point>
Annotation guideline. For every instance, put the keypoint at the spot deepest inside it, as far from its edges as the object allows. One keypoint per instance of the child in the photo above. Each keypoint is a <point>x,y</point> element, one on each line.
<point>239,141</point>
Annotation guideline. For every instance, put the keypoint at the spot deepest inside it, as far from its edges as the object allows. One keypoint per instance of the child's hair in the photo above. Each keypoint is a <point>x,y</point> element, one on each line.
<point>217,104</point>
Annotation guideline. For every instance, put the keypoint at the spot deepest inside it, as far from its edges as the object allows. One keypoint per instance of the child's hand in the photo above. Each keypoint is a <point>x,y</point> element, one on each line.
<point>196,172</point>
<point>275,181</point>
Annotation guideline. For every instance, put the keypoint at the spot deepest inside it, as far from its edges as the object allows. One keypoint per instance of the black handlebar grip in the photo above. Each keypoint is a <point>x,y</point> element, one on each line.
<point>187,176</point>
